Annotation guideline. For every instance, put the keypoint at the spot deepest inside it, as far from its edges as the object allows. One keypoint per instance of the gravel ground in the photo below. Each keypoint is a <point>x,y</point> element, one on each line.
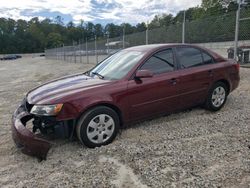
<point>195,148</point>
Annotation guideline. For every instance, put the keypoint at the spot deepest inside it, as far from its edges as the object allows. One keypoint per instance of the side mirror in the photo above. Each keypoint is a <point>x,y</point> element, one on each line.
<point>144,74</point>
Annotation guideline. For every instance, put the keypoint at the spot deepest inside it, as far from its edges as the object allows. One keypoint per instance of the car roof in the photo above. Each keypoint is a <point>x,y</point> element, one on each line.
<point>153,47</point>
<point>149,47</point>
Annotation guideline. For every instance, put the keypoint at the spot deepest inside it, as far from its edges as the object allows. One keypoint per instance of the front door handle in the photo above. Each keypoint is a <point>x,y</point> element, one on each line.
<point>173,81</point>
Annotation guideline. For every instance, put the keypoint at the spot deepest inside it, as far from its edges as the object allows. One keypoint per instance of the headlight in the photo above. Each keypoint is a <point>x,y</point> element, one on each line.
<point>46,110</point>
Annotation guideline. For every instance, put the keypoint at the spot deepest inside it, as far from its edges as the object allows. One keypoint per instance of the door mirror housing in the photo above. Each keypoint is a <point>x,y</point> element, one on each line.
<point>144,74</point>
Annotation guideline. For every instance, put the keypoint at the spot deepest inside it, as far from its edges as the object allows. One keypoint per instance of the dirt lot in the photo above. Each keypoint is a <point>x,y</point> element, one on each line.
<point>195,148</point>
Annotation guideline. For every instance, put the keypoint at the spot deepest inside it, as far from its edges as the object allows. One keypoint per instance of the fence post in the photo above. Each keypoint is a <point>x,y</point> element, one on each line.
<point>87,51</point>
<point>183,26</point>
<point>63,53</point>
<point>59,53</point>
<point>237,30</point>
<point>80,53</point>
<point>108,43</point>
<point>56,53</point>
<point>123,37</point>
<point>74,48</point>
<point>96,58</point>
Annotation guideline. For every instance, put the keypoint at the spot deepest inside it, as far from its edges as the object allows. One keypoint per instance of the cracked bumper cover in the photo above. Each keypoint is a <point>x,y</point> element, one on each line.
<point>27,141</point>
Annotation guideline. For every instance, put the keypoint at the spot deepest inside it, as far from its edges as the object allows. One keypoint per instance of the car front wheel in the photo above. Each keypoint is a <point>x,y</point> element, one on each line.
<point>217,96</point>
<point>99,126</point>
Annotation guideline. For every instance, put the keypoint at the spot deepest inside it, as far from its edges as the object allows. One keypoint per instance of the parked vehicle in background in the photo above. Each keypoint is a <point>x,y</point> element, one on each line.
<point>243,54</point>
<point>11,57</point>
<point>131,85</point>
<point>18,56</point>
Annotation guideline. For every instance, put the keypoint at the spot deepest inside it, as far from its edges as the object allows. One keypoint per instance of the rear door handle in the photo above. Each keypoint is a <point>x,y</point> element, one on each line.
<point>210,72</point>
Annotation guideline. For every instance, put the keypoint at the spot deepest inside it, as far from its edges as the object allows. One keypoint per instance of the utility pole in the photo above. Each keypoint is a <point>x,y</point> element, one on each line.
<point>183,26</point>
<point>237,30</point>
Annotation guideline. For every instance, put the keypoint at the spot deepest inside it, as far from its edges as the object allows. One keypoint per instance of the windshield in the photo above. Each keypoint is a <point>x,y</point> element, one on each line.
<point>117,66</point>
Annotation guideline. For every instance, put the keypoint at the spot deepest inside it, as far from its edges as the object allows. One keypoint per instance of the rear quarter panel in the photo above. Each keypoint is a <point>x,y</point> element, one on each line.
<point>226,70</point>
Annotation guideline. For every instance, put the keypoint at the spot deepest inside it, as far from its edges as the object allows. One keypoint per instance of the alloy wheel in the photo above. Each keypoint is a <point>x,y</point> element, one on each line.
<point>100,128</point>
<point>218,96</point>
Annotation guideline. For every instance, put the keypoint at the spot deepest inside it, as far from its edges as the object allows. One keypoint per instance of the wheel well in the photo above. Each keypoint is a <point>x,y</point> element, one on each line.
<point>226,83</point>
<point>113,107</point>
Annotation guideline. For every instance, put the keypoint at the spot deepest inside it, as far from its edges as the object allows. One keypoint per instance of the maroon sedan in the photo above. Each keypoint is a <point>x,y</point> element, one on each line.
<point>132,85</point>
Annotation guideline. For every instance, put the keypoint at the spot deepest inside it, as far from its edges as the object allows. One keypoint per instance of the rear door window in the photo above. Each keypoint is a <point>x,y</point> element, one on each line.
<point>207,59</point>
<point>189,57</point>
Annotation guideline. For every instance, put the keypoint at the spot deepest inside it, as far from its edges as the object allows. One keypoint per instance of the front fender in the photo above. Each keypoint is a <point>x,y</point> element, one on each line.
<point>74,109</point>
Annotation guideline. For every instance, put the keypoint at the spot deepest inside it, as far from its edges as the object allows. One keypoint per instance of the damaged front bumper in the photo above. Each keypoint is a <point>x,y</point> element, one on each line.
<point>27,141</point>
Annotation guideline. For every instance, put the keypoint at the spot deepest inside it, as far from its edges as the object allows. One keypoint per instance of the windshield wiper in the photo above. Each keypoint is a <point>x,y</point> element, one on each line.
<point>97,74</point>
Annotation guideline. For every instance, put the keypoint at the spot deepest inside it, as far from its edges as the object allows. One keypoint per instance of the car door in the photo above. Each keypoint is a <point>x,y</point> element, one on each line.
<point>196,75</point>
<point>155,95</point>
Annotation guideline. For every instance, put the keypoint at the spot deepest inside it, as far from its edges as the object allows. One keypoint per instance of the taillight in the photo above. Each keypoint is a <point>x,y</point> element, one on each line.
<point>237,66</point>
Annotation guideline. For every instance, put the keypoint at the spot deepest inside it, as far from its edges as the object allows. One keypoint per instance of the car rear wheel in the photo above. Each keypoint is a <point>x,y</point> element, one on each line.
<point>217,96</point>
<point>99,126</point>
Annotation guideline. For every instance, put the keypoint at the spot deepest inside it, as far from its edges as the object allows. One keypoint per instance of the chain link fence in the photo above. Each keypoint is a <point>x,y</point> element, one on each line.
<point>216,33</point>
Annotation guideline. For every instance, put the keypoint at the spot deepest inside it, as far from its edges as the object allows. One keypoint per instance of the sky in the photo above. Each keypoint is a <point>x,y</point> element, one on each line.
<point>96,11</point>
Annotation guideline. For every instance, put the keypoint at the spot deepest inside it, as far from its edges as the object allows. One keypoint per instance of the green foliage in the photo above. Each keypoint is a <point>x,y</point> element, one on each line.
<point>214,20</point>
<point>54,40</point>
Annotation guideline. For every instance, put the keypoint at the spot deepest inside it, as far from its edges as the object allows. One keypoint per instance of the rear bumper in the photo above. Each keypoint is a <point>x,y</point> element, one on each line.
<point>235,81</point>
<point>27,141</point>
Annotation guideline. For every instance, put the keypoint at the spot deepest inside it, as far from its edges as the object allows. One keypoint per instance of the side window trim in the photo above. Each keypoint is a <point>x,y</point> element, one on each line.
<point>177,62</point>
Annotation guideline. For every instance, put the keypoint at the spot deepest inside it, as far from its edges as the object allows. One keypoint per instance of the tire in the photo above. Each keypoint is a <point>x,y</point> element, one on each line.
<point>217,96</point>
<point>98,126</point>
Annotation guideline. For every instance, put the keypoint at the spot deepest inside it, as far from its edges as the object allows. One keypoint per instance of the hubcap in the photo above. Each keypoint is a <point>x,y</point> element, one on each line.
<point>100,128</point>
<point>218,96</point>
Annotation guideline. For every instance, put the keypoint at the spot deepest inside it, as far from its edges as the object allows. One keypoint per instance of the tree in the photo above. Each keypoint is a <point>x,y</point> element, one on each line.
<point>58,20</point>
<point>166,20</point>
<point>90,30</point>
<point>113,30</point>
<point>209,3</point>
<point>140,27</point>
<point>98,30</point>
<point>214,20</point>
<point>54,40</point>
<point>155,23</point>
